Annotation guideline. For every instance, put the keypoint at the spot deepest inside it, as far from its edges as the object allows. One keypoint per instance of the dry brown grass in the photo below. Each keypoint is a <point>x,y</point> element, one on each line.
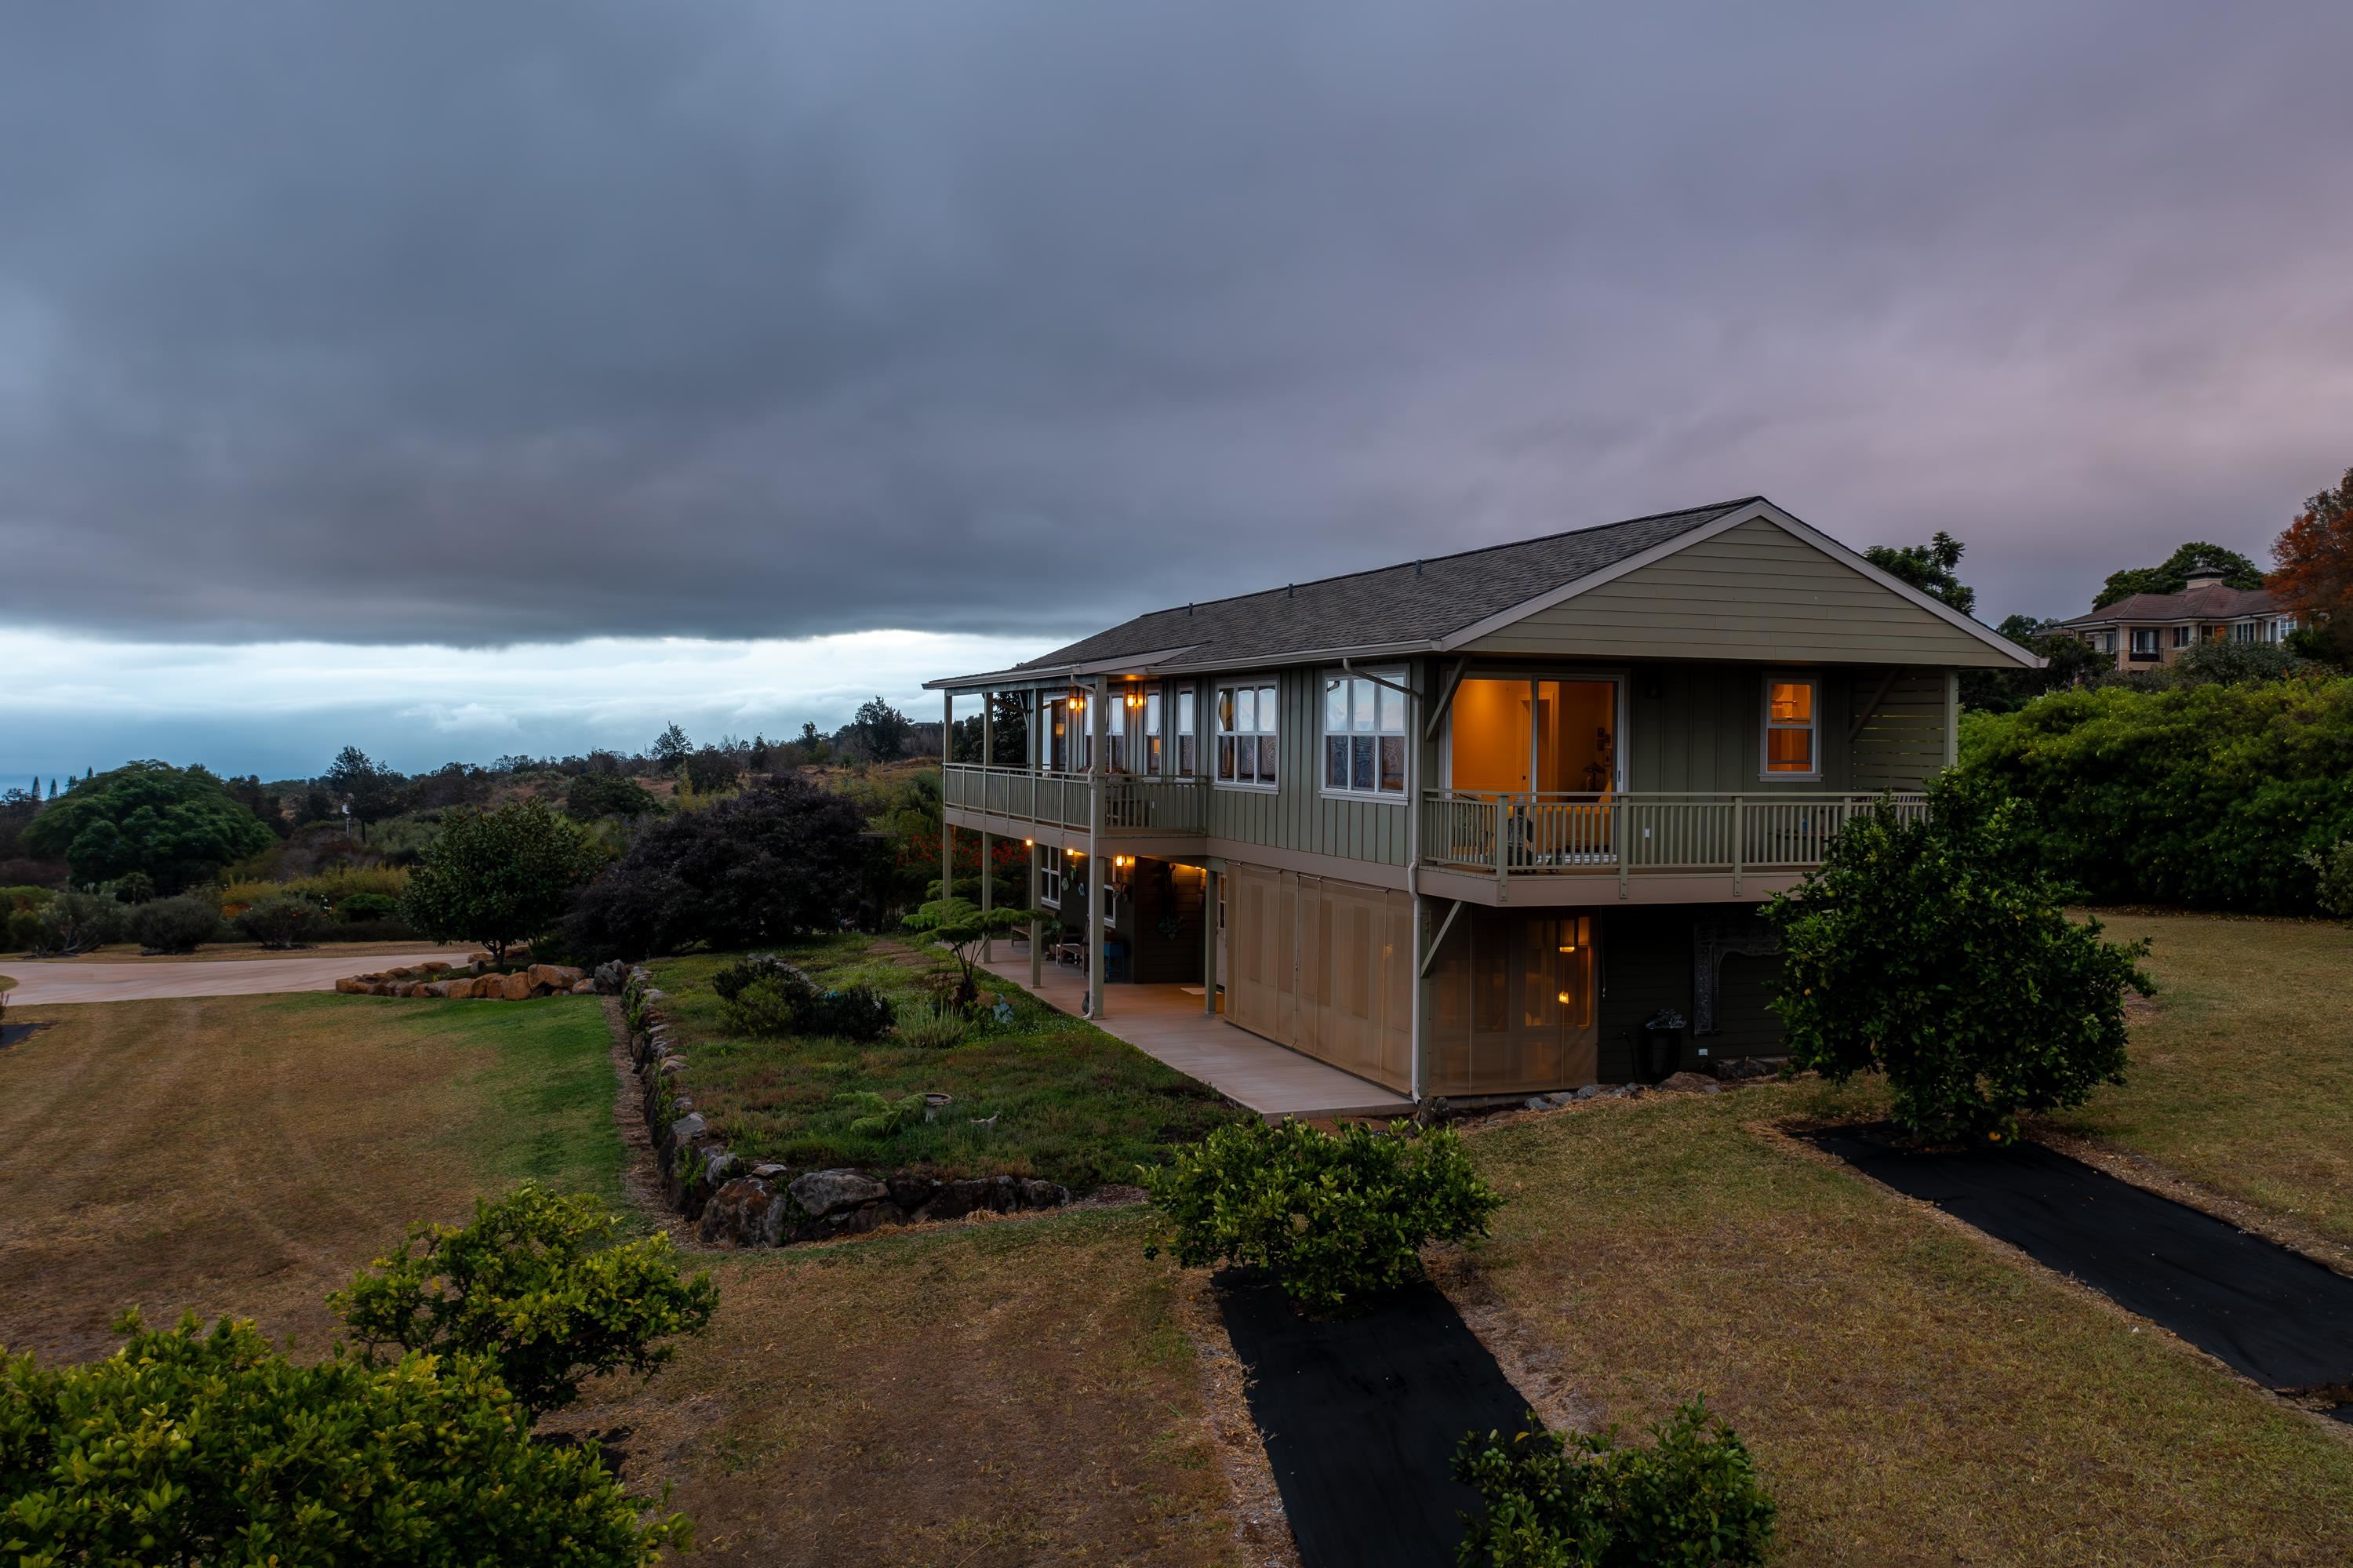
<point>982,1396</point>
<point>2242,1077</point>
<point>244,1155</point>
<point>1913,1393</point>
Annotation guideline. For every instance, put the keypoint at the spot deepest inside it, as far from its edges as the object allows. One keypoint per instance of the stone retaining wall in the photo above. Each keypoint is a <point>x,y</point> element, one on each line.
<point>438,978</point>
<point>768,1204</point>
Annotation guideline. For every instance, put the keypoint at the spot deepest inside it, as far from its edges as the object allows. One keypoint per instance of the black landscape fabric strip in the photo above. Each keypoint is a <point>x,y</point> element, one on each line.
<point>1361,1418</point>
<point>2275,1315</point>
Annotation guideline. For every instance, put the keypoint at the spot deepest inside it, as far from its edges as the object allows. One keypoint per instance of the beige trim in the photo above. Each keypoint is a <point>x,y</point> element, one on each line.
<point>1600,892</point>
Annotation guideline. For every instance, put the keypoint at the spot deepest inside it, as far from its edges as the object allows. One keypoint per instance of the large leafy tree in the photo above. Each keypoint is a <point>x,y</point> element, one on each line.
<point>499,877</point>
<point>777,860</point>
<point>1930,567</point>
<point>373,788</point>
<point>880,730</point>
<point>2314,556</point>
<point>176,825</point>
<point>2173,574</point>
<point>1935,951</point>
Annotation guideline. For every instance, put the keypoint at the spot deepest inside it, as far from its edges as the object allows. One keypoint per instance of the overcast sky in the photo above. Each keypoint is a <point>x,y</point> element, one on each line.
<point>622,347</point>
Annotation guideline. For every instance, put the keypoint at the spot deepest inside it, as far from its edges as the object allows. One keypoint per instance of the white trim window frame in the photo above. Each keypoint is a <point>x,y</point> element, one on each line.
<point>1050,877</point>
<point>1250,744</point>
<point>2145,644</point>
<point>1362,735</point>
<point>2184,636</point>
<point>1187,703</point>
<point>1785,715</point>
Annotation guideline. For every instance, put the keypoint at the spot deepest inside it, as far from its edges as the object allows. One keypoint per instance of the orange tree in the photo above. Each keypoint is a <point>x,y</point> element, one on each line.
<point>2312,561</point>
<point>1938,953</point>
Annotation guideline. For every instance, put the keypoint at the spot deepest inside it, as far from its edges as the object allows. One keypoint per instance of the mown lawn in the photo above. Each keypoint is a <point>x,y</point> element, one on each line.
<point>1911,1395</point>
<point>2242,1077</point>
<point>246,1154</point>
<point>1070,1103</point>
<point>987,1396</point>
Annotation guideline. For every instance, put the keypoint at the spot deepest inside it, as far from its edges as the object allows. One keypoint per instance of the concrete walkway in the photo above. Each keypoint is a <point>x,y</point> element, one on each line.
<point>1166,1022</point>
<point>45,981</point>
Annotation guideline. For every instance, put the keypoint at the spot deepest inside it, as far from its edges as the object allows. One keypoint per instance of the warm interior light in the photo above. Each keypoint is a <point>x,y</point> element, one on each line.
<point>1564,997</point>
<point>1570,949</point>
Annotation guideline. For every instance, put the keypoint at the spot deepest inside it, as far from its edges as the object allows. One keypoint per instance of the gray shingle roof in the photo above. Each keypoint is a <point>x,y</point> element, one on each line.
<point>2207,603</point>
<point>1413,602</point>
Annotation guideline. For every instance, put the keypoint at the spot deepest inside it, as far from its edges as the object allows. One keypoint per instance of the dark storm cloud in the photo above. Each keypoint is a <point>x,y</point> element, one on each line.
<point>478,323</point>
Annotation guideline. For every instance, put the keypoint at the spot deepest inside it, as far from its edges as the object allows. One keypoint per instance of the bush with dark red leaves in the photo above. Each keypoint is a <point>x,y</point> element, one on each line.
<point>783,859</point>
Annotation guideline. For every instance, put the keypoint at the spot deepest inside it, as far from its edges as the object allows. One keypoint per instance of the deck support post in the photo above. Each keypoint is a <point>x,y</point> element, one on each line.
<point>988,842</point>
<point>948,757</point>
<point>1739,839</point>
<point>1099,867</point>
<point>1037,928</point>
<point>1209,941</point>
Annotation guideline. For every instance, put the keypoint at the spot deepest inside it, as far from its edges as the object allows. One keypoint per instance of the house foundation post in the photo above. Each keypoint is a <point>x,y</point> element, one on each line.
<point>1099,863</point>
<point>987,842</point>
<point>1209,941</point>
<point>948,758</point>
<point>1037,928</point>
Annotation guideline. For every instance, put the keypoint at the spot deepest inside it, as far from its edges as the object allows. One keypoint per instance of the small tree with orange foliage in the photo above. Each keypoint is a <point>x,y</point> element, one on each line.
<point>2313,573</point>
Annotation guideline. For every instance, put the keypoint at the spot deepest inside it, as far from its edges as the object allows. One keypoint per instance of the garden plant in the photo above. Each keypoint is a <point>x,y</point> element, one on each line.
<point>1692,1499</point>
<point>172,925</point>
<point>1933,952</point>
<point>1332,1218</point>
<point>538,1287</point>
<point>770,999</point>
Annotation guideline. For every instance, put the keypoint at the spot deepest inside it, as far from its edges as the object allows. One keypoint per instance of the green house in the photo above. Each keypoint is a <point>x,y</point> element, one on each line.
<point>1463,825</point>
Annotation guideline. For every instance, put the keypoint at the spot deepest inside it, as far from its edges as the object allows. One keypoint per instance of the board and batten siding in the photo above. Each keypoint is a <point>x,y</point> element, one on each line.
<point>1904,742</point>
<point>1700,728</point>
<point>1299,816</point>
<point>1752,592</point>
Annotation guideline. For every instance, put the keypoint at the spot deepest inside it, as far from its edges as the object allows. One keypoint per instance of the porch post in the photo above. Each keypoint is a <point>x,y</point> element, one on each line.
<point>987,881</point>
<point>1208,936</point>
<point>947,758</point>
<point>1099,866</point>
<point>1037,928</point>
<point>1413,805</point>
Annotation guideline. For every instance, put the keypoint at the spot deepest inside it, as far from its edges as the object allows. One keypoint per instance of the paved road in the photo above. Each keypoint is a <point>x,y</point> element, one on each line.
<point>73,980</point>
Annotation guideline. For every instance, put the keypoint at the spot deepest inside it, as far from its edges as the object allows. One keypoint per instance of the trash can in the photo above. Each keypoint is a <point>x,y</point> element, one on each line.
<point>1663,1044</point>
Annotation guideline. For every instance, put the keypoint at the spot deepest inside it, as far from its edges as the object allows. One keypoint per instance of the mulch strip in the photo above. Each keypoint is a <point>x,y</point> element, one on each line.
<point>1361,1417</point>
<point>2278,1317</point>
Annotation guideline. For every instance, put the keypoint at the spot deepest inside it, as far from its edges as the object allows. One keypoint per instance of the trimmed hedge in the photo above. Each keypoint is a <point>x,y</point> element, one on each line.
<point>2212,796</point>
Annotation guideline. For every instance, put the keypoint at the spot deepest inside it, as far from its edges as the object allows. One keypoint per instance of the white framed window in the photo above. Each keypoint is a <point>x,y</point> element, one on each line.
<point>2181,635</point>
<point>1050,878</point>
<point>1363,736</point>
<point>2242,631</point>
<point>2144,641</point>
<point>1155,753</point>
<point>1186,731</point>
<point>1792,747</point>
<point>1069,739</point>
<point>1248,738</point>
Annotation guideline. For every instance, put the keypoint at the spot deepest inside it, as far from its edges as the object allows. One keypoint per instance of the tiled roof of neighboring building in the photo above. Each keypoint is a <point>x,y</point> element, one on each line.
<point>1413,602</point>
<point>2197,604</point>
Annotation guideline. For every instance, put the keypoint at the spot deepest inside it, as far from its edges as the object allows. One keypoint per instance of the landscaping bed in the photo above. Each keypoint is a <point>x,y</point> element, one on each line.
<point>1045,1096</point>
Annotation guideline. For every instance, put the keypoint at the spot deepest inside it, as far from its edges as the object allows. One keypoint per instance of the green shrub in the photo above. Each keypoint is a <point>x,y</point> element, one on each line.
<point>936,1025</point>
<point>1932,952</point>
<point>2333,871</point>
<point>763,1009</point>
<point>77,922</point>
<point>1331,1218</point>
<point>25,899</point>
<point>177,826</point>
<point>884,1117</point>
<point>767,997</point>
<point>277,921</point>
<point>172,925</point>
<point>193,1447</point>
<point>592,795</point>
<point>1692,1499</point>
<point>538,1287</point>
<point>368,906</point>
<point>21,931</point>
<point>2210,795</point>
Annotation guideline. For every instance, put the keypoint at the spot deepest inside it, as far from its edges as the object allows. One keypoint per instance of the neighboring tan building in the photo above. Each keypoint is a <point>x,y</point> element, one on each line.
<point>2152,629</point>
<point>1459,826</point>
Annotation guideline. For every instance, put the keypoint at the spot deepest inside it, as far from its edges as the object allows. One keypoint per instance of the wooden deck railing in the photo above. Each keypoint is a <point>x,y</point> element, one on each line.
<point>1630,834</point>
<point>1059,799</point>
